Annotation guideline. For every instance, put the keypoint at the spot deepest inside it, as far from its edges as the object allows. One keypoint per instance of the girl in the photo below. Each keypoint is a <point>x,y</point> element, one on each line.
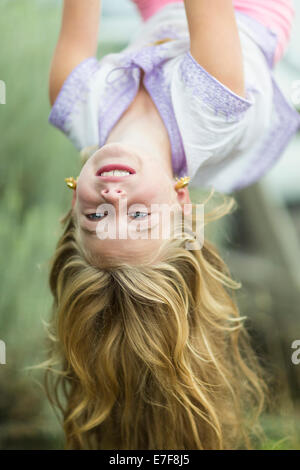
<point>152,350</point>
<point>179,101</point>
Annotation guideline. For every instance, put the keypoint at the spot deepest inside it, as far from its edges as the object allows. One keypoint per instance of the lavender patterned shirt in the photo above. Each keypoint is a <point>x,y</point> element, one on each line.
<point>217,137</point>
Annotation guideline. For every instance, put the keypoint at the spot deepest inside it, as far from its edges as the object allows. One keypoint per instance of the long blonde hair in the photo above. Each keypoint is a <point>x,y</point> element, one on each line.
<point>151,356</point>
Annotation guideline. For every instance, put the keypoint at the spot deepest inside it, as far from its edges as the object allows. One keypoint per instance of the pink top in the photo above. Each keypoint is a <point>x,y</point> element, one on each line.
<point>277,15</point>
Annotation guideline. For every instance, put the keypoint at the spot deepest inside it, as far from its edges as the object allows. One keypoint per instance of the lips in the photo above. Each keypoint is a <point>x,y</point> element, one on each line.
<point>115,167</point>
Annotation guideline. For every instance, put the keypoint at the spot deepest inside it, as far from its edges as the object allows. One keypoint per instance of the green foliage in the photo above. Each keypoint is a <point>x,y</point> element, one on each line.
<point>282,433</point>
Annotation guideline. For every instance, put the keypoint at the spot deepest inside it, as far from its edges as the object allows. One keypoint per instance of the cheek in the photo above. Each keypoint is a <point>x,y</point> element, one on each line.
<point>160,191</point>
<point>85,194</point>
<point>80,196</point>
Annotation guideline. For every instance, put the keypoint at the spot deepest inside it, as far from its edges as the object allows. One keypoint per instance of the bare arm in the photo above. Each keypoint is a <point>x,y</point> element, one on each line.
<point>215,42</point>
<point>77,40</point>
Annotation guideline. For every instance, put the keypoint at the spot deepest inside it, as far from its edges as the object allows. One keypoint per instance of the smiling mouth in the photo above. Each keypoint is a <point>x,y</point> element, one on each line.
<point>115,170</point>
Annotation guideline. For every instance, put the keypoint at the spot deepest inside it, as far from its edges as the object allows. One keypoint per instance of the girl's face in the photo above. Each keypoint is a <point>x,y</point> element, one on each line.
<point>124,216</point>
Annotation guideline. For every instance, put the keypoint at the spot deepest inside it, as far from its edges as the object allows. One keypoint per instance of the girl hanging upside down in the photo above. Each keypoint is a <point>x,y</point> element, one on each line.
<point>152,349</point>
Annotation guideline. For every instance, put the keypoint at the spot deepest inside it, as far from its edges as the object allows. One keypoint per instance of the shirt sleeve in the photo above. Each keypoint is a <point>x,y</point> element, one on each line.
<point>218,126</point>
<point>75,110</point>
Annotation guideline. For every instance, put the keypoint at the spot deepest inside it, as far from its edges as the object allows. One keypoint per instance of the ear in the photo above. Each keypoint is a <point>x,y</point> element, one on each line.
<point>74,198</point>
<point>183,196</point>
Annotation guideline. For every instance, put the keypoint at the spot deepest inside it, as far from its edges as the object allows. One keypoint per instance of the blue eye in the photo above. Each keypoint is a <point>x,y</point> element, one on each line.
<point>143,214</point>
<point>97,216</point>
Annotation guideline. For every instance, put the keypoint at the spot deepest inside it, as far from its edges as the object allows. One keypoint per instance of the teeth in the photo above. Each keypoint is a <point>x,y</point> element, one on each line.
<point>115,173</point>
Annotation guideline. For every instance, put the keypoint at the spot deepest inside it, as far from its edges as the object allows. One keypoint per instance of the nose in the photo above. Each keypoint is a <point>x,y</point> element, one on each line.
<point>113,194</point>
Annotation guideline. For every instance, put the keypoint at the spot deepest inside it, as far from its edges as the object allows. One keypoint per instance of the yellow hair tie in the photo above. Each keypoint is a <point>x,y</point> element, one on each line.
<point>182,182</point>
<point>71,182</point>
